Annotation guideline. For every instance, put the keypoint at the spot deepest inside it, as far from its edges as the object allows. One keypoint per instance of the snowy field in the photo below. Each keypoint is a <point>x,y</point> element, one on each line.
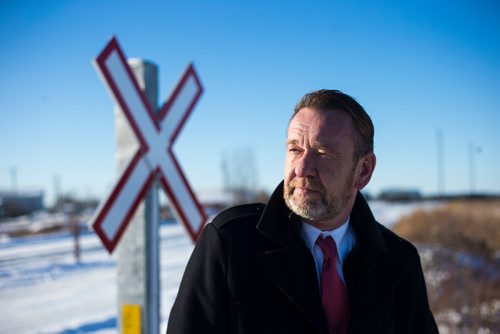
<point>44,290</point>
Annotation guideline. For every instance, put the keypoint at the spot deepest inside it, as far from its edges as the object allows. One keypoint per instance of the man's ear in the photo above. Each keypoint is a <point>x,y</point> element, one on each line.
<point>364,170</point>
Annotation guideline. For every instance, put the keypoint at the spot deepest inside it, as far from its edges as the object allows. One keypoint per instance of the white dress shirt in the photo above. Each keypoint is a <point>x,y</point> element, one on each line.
<point>344,239</point>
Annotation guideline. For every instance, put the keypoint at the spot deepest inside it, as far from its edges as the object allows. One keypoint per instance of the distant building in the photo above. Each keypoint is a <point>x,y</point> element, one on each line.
<point>13,204</point>
<point>394,195</point>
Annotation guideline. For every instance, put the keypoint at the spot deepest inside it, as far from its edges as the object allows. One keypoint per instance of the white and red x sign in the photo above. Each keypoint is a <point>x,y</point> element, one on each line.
<point>156,134</point>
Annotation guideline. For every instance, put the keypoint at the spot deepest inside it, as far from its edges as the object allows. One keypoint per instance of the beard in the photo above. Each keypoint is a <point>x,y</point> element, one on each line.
<point>318,205</point>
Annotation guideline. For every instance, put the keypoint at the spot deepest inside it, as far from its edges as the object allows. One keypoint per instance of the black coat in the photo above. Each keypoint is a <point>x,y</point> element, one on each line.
<point>250,272</point>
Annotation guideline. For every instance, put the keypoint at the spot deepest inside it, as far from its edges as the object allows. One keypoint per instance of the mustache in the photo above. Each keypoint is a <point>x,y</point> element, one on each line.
<point>306,183</point>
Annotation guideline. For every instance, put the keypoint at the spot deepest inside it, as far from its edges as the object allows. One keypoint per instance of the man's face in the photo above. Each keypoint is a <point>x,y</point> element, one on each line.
<point>319,166</point>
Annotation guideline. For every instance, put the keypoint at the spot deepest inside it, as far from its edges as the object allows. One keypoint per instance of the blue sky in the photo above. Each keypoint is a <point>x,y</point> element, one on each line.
<point>415,66</point>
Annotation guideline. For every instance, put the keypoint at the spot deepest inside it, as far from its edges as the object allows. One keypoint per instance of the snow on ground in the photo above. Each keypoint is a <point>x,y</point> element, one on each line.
<point>389,213</point>
<point>44,290</point>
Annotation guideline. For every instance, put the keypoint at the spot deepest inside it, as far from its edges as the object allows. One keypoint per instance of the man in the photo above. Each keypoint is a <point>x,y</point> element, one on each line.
<point>313,260</point>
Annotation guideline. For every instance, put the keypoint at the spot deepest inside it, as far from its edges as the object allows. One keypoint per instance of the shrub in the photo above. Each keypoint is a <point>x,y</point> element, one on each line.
<point>459,247</point>
<point>470,226</point>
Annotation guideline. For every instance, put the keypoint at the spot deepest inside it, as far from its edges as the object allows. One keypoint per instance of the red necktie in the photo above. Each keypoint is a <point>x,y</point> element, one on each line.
<point>334,295</point>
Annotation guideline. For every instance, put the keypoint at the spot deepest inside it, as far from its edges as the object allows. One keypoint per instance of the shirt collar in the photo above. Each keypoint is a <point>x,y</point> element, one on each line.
<point>310,234</point>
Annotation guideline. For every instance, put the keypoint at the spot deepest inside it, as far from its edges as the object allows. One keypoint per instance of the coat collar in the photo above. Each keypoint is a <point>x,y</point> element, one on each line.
<point>369,240</point>
<point>288,262</point>
<point>279,224</point>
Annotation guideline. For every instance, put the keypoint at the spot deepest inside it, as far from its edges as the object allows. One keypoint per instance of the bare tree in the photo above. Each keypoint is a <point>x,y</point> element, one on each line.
<point>239,174</point>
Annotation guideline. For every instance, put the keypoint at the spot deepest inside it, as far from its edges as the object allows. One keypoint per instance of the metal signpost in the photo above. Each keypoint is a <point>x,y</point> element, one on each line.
<point>153,160</point>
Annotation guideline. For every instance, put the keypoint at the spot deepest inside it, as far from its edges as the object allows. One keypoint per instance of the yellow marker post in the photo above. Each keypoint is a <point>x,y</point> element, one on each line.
<point>131,319</point>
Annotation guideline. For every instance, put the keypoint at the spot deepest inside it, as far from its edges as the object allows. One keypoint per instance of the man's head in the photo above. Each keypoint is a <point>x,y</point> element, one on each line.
<point>329,157</point>
<point>325,100</point>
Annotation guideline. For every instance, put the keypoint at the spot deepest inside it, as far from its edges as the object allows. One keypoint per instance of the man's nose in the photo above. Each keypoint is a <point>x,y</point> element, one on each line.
<point>305,166</point>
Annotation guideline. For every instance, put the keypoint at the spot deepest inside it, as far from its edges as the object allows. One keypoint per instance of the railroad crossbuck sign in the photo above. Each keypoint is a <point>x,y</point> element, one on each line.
<point>156,134</point>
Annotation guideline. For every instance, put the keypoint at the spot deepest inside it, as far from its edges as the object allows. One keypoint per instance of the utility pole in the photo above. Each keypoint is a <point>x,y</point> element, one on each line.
<point>13,179</point>
<point>138,252</point>
<point>440,162</point>
<point>473,151</point>
<point>57,189</point>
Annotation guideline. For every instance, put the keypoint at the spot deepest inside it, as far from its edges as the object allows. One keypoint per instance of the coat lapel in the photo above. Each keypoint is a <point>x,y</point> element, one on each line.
<point>288,263</point>
<point>369,281</point>
<point>370,274</point>
<point>295,276</point>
